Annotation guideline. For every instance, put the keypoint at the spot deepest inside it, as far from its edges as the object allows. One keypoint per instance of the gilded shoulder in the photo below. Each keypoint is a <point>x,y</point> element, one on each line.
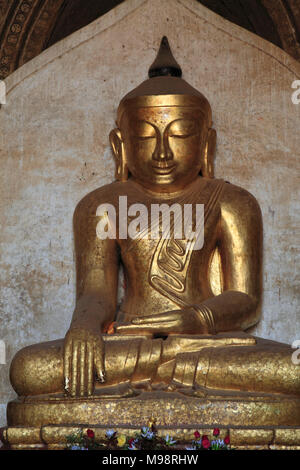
<point>105,194</point>
<point>239,199</point>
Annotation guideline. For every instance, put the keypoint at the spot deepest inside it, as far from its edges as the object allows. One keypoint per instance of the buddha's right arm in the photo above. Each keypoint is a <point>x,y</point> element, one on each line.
<point>96,300</point>
<point>97,263</point>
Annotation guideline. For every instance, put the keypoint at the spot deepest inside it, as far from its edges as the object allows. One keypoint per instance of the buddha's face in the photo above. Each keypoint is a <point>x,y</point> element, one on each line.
<point>164,145</point>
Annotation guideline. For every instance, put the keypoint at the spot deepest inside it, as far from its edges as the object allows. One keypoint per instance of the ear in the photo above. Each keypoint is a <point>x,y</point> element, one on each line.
<point>209,154</point>
<point>117,145</point>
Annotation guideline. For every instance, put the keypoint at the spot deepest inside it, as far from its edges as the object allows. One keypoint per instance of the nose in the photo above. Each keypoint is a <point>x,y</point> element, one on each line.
<point>162,152</point>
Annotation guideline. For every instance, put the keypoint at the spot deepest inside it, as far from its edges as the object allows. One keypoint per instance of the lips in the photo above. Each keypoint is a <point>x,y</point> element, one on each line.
<point>163,168</point>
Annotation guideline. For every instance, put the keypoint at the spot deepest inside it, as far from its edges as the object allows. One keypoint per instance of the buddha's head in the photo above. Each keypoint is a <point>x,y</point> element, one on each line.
<point>164,138</point>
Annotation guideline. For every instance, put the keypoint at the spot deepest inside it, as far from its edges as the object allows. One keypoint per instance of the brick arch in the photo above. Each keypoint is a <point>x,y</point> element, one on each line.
<point>27,27</point>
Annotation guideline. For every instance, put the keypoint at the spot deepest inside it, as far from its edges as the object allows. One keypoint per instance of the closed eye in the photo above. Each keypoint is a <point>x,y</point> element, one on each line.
<point>145,137</point>
<point>182,136</point>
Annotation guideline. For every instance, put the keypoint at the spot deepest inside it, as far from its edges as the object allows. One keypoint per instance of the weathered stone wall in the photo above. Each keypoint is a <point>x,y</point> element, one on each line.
<point>54,150</point>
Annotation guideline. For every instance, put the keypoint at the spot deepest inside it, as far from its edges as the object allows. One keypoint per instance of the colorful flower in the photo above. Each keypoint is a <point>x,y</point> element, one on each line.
<point>132,444</point>
<point>121,440</point>
<point>197,434</point>
<point>205,442</point>
<point>132,447</point>
<point>110,433</point>
<point>146,433</point>
<point>152,422</point>
<point>90,433</point>
<point>145,430</point>
<point>216,432</point>
<point>227,440</point>
<point>169,441</point>
<point>217,444</point>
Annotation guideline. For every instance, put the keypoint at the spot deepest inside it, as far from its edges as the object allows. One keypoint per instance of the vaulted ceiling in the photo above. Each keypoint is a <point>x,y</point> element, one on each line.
<point>27,27</point>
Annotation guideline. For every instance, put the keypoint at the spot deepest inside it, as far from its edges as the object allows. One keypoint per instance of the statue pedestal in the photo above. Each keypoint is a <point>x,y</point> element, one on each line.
<point>252,421</point>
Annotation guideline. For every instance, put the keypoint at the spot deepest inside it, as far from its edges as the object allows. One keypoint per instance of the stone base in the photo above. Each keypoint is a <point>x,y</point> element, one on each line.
<point>252,421</point>
<point>54,437</point>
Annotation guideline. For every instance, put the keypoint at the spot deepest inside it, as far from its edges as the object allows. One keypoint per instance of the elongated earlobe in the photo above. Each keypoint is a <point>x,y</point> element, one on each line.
<point>117,145</point>
<point>207,169</point>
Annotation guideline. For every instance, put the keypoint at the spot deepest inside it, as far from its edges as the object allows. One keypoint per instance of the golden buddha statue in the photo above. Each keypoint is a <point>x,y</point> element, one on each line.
<point>181,328</point>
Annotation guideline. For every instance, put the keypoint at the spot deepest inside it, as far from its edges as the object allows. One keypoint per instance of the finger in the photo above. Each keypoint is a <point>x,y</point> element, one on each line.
<point>158,318</point>
<point>135,329</point>
<point>99,360</point>
<point>74,367</point>
<point>67,368</point>
<point>147,329</point>
<point>90,369</point>
<point>82,369</point>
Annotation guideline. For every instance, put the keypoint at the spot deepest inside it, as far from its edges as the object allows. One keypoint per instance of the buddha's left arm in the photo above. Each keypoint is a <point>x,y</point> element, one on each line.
<point>240,244</point>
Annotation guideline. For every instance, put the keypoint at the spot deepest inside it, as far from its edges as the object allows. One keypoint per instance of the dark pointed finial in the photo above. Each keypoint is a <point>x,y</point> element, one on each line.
<point>164,64</point>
